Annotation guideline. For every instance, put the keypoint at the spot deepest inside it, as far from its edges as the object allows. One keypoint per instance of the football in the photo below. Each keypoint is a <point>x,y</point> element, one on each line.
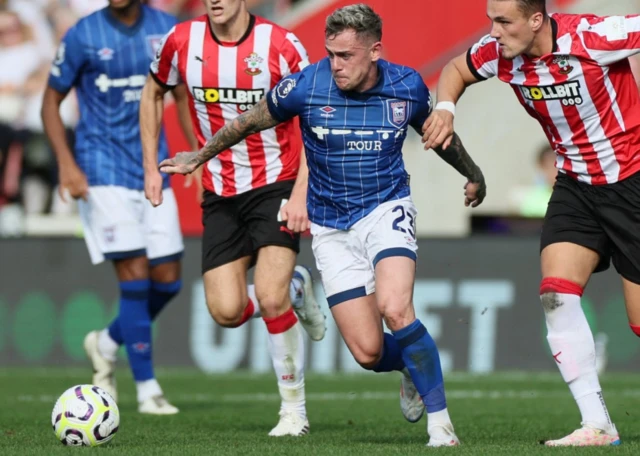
<point>85,415</point>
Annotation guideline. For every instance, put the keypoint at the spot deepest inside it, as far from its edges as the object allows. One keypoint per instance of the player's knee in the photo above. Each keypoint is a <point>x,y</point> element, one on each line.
<point>367,357</point>
<point>635,329</point>
<point>399,316</point>
<point>226,316</point>
<point>272,305</point>
<point>132,268</point>
<point>166,272</point>
<point>368,362</point>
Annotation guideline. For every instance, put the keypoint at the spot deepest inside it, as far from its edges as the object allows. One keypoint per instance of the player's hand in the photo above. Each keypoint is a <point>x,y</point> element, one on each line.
<point>474,193</point>
<point>195,178</point>
<point>153,187</point>
<point>438,129</point>
<point>74,181</point>
<point>294,212</point>
<point>182,163</point>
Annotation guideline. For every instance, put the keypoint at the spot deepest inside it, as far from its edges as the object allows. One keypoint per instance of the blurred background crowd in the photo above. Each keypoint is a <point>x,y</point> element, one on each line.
<point>510,146</point>
<point>30,31</point>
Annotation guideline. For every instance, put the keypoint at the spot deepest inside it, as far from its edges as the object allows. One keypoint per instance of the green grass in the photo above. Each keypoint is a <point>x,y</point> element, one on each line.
<point>504,414</point>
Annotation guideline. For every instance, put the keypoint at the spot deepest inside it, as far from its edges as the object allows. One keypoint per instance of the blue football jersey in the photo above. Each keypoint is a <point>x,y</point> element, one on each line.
<point>107,63</point>
<point>353,140</point>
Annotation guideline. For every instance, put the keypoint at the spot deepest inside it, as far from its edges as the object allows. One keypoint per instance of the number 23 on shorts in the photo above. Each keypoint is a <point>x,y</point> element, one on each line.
<point>405,222</point>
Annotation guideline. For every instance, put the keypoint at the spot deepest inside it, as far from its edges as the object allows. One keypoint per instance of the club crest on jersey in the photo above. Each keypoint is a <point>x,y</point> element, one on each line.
<point>398,111</point>
<point>105,53</point>
<point>253,62</point>
<point>154,43</point>
<point>563,64</point>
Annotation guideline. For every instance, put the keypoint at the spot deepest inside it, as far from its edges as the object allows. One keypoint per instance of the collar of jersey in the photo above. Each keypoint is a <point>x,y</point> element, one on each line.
<point>252,22</point>
<point>128,30</point>
<point>554,32</point>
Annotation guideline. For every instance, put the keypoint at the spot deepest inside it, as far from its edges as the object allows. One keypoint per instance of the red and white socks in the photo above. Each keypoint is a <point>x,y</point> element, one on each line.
<point>287,348</point>
<point>573,348</point>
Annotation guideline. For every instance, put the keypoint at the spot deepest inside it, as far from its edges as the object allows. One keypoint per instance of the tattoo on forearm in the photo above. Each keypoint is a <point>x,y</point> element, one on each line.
<point>256,119</point>
<point>456,155</point>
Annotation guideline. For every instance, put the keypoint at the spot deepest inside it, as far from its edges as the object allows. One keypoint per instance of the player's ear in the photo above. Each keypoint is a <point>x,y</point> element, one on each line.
<point>376,51</point>
<point>536,21</point>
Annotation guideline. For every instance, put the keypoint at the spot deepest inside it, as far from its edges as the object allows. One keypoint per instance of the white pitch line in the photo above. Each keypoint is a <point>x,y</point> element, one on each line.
<point>341,396</point>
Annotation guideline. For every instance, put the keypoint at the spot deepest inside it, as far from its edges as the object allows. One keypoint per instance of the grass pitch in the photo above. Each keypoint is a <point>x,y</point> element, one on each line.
<point>500,414</point>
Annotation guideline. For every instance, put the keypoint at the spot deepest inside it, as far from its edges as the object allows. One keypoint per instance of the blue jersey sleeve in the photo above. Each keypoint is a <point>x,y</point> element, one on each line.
<point>423,104</point>
<point>286,99</point>
<point>68,62</point>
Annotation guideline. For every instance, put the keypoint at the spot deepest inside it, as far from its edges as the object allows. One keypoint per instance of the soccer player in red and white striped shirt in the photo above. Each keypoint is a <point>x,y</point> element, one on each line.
<point>571,73</point>
<point>252,212</point>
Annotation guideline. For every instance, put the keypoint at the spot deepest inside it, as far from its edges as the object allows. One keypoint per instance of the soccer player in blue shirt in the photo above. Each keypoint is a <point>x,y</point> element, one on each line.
<point>355,109</point>
<point>106,57</point>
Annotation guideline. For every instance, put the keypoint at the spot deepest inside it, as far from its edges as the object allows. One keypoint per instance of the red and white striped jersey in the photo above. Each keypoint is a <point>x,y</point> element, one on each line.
<point>226,79</point>
<point>583,93</point>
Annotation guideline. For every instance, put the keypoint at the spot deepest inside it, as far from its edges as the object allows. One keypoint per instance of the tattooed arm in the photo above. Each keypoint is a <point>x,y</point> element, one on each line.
<point>256,119</point>
<point>456,155</point>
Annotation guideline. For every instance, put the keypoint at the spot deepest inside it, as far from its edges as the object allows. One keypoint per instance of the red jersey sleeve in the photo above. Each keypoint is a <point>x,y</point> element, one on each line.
<point>483,57</point>
<point>610,39</point>
<point>164,67</point>
<point>293,55</point>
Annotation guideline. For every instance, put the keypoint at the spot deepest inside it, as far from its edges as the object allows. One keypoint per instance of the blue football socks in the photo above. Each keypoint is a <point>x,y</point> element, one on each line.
<point>421,357</point>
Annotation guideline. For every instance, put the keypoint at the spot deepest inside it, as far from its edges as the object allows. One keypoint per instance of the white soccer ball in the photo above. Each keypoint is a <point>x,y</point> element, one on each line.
<point>85,415</point>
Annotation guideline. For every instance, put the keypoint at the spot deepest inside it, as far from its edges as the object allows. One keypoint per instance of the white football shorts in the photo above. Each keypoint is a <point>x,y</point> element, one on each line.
<point>120,223</point>
<point>347,259</point>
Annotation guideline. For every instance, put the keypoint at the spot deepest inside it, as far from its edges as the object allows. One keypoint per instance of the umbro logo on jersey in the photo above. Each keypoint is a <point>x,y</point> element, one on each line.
<point>327,111</point>
<point>245,99</point>
<point>568,93</point>
<point>105,54</point>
